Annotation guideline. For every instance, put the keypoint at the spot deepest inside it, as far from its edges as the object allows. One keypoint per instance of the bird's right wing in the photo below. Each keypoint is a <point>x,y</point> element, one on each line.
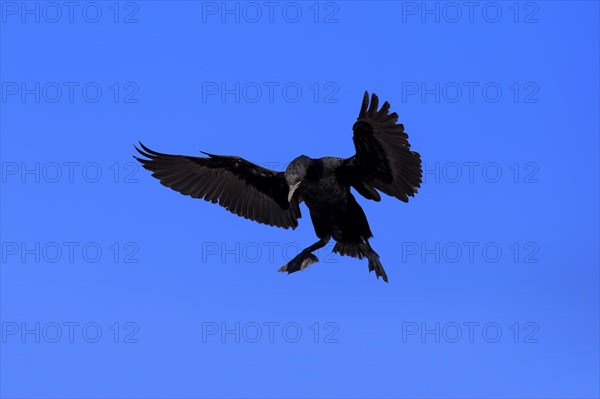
<point>383,159</point>
<point>241,187</point>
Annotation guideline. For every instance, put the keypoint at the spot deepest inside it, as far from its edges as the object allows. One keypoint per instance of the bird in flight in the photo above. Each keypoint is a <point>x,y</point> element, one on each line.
<point>383,162</point>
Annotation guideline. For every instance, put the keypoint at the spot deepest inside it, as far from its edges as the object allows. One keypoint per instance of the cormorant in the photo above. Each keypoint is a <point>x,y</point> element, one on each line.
<point>383,161</point>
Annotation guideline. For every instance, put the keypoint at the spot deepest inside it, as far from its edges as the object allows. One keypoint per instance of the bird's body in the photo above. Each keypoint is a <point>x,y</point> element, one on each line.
<point>333,209</point>
<point>383,162</point>
<point>321,190</point>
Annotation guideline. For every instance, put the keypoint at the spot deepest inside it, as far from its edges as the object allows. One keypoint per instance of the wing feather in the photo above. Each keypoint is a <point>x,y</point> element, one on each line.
<point>241,187</point>
<point>383,159</point>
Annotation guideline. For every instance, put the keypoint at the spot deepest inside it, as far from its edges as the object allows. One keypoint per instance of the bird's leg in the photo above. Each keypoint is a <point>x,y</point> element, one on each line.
<point>305,258</point>
<point>375,264</point>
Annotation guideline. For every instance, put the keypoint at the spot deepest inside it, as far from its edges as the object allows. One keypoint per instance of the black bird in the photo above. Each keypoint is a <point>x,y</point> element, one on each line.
<point>383,161</point>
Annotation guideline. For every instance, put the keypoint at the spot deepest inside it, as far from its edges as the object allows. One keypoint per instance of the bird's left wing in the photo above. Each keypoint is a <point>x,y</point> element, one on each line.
<point>383,159</point>
<point>241,187</point>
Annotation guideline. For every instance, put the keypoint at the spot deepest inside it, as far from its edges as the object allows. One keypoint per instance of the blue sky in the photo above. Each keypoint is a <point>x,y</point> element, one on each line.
<point>114,286</point>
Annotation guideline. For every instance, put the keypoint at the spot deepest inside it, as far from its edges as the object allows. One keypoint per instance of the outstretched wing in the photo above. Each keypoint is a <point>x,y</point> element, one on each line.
<point>383,159</point>
<point>239,186</point>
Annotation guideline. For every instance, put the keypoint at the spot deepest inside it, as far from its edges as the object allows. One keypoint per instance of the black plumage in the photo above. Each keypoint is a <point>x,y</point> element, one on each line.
<point>383,162</point>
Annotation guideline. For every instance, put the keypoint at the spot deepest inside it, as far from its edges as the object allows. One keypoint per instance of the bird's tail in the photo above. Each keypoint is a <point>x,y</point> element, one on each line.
<point>362,250</point>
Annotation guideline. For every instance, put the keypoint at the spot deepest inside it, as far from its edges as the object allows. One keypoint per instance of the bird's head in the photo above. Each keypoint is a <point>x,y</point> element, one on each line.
<point>295,173</point>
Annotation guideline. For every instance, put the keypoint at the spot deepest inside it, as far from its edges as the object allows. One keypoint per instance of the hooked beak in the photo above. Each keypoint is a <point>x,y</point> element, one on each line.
<point>293,188</point>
